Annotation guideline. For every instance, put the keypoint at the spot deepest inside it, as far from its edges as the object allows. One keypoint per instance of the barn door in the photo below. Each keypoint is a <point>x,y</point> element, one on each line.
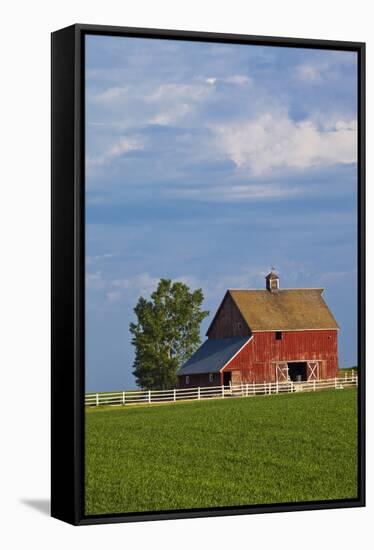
<point>236,377</point>
<point>313,368</point>
<point>281,371</point>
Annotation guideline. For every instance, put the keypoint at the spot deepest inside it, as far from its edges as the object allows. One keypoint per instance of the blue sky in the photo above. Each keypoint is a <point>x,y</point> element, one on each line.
<point>209,163</point>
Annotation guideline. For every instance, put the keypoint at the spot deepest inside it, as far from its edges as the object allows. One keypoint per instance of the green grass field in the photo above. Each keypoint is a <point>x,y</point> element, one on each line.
<point>257,450</point>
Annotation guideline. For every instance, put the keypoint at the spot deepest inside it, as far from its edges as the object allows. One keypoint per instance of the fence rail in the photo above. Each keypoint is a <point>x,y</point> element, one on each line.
<point>137,397</point>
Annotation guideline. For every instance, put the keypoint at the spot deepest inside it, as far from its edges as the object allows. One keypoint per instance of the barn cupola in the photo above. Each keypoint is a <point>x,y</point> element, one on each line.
<point>272,281</point>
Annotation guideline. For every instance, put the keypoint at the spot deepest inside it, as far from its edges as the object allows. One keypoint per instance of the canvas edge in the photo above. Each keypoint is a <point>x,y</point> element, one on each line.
<point>66,277</point>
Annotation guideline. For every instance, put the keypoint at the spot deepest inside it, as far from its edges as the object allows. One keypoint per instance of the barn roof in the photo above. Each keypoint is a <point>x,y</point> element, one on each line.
<point>288,309</point>
<point>213,355</point>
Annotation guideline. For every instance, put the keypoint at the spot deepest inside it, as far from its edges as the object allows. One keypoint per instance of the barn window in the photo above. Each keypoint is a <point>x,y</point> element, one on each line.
<point>278,335</point>
<point>210,377</point>
<point>187,379</point>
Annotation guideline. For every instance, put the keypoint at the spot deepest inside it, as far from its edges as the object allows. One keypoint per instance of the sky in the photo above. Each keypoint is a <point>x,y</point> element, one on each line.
<point>210,163</point>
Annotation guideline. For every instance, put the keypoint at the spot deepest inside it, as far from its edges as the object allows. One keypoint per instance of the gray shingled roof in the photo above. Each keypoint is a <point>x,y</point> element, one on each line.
<point>212,355</point>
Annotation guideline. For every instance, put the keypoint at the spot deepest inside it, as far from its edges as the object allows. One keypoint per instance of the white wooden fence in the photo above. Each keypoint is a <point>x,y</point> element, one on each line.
<point>217,392</point>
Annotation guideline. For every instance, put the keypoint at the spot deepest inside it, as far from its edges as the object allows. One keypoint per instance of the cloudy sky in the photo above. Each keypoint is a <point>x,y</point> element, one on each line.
<point>209,163</point>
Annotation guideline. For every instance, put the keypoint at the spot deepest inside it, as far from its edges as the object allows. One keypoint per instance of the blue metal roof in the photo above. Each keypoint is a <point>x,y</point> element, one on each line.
<point>212,355</point>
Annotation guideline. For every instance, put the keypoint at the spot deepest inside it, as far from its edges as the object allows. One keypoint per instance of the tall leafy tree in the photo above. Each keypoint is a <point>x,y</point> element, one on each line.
<point>166,334</point>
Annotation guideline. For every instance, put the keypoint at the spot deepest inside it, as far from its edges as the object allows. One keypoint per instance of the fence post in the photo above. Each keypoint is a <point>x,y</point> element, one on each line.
<point>356,380</point>
<point>175,395</point>
<point>223,392</point>
<point>97,400</point>
<point>314,384</point>
<point>246,390</point>
<point>149,396</point>
<point>198,392</point>
<point>336,385</point>
<point>254,387</point>
<point>352,374</point>
<point>346,376</point>
<point>123,398</point>
<point>277,387</point>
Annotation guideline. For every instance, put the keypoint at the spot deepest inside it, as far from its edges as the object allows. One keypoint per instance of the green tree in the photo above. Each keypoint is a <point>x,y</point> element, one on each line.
<point>166,334</point>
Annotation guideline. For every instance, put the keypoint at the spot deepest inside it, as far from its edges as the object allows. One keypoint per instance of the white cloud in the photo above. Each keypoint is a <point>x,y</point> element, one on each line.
<point>179,92</point>
<point>239,79</point>
<point>332,277</point>
<point>144,283</point>
<point>274,141</point>
<point>121,283</point>
<point>95,281</point>
<point>151,103</point>
<point>310,72</point>
<point>171,115</point>
<point>109,95</point>
<point>172,102</point>
<point>98,258</point>
<point>121,147</point>
<point>115,290</point>
<point>114,296</point>
<point>130,288</point>
<point>235,192</point>
<point>141,283</point>
<point>189,280</point>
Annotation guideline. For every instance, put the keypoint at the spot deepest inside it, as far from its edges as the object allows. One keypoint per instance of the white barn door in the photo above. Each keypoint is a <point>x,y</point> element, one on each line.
<point>313,370</point>
<point>281,371</point>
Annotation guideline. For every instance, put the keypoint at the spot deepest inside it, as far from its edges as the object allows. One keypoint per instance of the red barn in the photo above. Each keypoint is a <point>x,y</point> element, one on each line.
<point>266,336</point>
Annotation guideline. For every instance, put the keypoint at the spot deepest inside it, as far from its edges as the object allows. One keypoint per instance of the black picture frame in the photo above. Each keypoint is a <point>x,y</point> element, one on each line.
<point>68,282</point>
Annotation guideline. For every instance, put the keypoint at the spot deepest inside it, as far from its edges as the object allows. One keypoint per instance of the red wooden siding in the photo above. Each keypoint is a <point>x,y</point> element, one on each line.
<point>228,321</point>
<point>256,360</point>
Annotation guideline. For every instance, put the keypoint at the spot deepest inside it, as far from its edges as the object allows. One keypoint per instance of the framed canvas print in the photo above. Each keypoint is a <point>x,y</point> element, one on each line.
<point>207,274</point>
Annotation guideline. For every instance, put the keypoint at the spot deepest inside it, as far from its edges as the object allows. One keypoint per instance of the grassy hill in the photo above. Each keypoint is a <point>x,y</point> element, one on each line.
<point>271,449</point>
